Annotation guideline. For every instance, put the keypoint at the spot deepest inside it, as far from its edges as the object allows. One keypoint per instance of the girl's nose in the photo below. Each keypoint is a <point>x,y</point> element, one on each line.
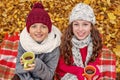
<point>80,27</point>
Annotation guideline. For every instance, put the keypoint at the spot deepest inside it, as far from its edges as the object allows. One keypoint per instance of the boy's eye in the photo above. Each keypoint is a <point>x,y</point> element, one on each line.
<point>44,26</point>
<point>33,26</point>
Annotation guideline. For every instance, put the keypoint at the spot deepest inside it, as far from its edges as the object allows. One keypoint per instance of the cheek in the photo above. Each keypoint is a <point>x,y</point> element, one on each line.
<point>88,29</point>
<point>75,29</point>
<point>31,31</point>
<point>46,35</point>
<point>87,32</point>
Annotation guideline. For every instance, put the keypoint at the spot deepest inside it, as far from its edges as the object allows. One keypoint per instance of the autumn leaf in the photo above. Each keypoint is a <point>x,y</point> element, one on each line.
<point>117,50</point>
<point>111,16</point>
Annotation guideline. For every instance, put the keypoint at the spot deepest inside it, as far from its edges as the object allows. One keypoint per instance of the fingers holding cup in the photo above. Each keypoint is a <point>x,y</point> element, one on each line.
<point>27,58</point>
<point>31,67</point>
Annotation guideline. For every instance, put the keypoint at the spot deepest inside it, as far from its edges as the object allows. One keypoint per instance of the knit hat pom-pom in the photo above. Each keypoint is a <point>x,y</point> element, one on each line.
<point>38,5</point>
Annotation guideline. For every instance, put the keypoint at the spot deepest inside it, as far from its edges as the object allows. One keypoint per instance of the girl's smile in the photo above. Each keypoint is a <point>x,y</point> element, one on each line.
<point>81,29</point>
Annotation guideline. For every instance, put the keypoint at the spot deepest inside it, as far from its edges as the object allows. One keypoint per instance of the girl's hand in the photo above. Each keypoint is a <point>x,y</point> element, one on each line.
<point>95,77</point>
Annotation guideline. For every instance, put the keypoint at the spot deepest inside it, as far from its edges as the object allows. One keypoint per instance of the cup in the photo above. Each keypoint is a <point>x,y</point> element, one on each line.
<point>89,72</point>
<point>28,58</point>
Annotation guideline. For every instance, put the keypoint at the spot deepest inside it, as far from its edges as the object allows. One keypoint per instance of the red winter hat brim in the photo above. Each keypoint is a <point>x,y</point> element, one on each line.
<point>38,15</point>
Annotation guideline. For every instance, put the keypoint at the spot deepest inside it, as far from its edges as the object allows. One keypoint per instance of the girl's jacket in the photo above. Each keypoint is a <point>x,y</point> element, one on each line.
<point>105,64</point>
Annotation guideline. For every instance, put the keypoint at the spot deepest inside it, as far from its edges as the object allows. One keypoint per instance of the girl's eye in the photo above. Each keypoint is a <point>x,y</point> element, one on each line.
<point>75,24</point>
<point>85,24</point>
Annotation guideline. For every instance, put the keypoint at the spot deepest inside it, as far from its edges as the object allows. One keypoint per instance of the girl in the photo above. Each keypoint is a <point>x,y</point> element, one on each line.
<point>82,46</point>
<point>43,39</point>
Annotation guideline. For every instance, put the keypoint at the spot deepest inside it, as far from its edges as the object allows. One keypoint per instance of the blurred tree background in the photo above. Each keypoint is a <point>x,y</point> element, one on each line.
<point>13,15</point>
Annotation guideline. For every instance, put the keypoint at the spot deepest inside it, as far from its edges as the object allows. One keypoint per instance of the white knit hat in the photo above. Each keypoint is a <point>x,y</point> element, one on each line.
<point>82,12</point>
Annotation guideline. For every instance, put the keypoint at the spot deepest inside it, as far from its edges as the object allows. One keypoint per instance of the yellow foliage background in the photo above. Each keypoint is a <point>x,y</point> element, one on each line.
<point>13,14</point>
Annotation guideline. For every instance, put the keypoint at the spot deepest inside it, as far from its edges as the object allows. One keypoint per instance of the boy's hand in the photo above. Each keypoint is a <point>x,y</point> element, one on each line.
<point>30,67</point>
<point>21,62</point>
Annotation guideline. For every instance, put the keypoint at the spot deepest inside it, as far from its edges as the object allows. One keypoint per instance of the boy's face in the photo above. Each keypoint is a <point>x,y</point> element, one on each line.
<point>81,29</point>
<point>38,31</point>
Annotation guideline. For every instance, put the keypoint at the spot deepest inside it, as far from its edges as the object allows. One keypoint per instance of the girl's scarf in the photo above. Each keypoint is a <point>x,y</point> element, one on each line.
<point>77,44</point>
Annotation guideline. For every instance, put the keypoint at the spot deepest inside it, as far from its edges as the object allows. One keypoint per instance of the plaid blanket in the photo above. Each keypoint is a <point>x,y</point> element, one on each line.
<point>107,65</point>
<point>8,53</point>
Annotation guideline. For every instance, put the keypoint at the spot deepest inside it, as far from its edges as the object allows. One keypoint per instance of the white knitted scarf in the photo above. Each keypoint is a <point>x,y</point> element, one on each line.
<point>77,44</point>
<point>49,44</point>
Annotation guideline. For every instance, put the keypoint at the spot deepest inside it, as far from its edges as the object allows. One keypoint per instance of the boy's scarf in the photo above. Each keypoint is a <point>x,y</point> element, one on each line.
<point>49,44</point>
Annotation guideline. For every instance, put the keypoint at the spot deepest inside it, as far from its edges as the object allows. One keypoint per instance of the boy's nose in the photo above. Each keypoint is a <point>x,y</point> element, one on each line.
<point>38,29</point>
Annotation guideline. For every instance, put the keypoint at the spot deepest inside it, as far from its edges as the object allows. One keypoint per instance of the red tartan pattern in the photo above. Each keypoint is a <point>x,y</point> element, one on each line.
<point>7,64</point>
<point>9,45</point>
<point>6,73</point>
<point>8,53</point>
<point>107,66</point>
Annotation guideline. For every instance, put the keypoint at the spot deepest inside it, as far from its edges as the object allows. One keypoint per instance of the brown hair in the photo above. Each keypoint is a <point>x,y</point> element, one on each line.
<point>66,45</point>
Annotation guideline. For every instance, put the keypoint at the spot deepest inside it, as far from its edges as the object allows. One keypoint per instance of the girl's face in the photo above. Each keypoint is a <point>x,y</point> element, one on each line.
<point>38,31</point>
<point>81,29</point>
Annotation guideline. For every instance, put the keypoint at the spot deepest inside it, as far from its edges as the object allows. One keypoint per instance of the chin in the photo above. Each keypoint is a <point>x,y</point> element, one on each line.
<point>37,40</point>
<point>81,38</point>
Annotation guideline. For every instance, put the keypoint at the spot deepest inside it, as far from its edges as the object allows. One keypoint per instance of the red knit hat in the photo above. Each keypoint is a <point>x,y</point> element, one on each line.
<point>38,15</point>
